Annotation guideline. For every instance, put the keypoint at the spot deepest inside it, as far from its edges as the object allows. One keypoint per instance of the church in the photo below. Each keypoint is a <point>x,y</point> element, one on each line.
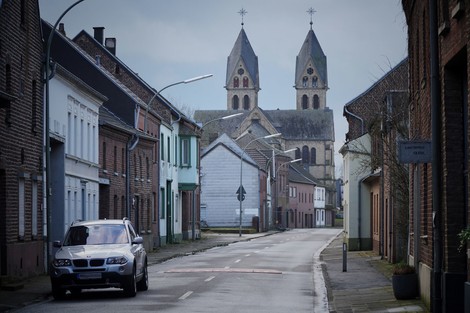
<point>307,130</point>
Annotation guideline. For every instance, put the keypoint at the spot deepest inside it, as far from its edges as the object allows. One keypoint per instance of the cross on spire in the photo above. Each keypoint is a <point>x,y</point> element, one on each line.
<point>242,13</point>
<point>311,11</point>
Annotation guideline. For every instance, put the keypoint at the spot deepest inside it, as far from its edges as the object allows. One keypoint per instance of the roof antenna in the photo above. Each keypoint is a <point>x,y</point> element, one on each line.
<point>242,12</point>
<point>310,11</point>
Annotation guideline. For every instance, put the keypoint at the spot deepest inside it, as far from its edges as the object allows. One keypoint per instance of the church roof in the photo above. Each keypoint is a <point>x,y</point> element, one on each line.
<point>293,124</point>
<point>311,50</point>
<point>242,50</point>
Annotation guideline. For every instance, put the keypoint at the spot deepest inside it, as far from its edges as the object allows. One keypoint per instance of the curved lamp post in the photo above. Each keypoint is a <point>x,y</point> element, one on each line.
<point>221,118</point>
<point>46,126</point>
<point>240,189</point>
<point>187,81</point>
<point>267,213</point>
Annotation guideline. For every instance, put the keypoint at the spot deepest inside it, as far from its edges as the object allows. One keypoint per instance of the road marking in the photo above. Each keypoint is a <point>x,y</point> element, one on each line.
<point>185,295</point>
<point>227,267</point>
<point>224,270</point>
<point>247,254</point>
<point>209,278</point>
<point>238,261</point>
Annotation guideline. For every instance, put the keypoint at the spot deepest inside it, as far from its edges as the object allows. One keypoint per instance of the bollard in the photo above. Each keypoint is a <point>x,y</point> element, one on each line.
<point>345,257</point>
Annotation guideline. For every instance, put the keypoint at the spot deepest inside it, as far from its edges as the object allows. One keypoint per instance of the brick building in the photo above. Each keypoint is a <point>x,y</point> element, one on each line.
<point>438,43</point>
<point>21,140</point>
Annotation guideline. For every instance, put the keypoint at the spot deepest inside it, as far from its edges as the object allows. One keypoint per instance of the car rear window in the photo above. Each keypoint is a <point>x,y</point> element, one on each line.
<point>96,235</point>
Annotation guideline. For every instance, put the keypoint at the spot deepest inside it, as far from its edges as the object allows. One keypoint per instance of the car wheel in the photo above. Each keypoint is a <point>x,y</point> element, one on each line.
<point>130,287</point>
<point>143,284</point>
<point>57,292</point>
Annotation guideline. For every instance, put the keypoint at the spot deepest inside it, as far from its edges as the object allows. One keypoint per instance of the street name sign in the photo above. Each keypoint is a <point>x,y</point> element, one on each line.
<point>414,152</point>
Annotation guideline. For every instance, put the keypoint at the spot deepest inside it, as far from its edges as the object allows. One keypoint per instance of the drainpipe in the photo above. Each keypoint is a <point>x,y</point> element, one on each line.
<point>356,116</point>
<point>131,144</point>
<point>436,288</point>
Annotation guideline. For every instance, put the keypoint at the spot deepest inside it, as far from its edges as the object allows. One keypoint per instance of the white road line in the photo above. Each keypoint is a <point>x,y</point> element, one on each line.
<point>185,295</point>
<point>247,254</point>
<point>227,267</point>
<point>237,261</point>
<point>209,278</point>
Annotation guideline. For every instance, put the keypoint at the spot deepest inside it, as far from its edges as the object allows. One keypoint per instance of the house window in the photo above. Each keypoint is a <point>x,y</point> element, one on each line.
<point>21,207</point>
<point>104,155</point>
<point>297,153</point>
<point>235,102</point>
<point>304,102</point>
<point>162,148</point>
<point>123,160</point>
<point>34,107</point>
<point>115,159</point>
<point>185,152</point>
<point>168,149</point>
<point>236,82</point>
<point>245,82</point>
<point>162,203</point>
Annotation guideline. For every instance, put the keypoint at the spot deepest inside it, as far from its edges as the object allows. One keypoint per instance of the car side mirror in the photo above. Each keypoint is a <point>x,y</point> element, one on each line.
<point>57,244</point>
<point>138,240</point>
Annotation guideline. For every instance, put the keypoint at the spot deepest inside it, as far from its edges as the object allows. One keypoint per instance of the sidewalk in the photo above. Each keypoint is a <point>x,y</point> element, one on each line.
<point>363,288</point>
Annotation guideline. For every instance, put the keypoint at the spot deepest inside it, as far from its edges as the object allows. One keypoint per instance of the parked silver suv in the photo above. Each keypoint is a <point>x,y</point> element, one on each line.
<point>99,254</point>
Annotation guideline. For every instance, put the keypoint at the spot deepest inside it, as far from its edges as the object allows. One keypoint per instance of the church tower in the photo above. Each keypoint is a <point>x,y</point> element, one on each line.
<point>311,81</point>
<point>242,81</point>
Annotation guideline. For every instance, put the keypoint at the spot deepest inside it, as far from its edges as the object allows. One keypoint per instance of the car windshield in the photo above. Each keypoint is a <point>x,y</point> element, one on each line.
<point>96,235</point>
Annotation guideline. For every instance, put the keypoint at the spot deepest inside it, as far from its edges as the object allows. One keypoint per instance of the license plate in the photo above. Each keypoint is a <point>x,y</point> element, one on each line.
<point>89,276</point>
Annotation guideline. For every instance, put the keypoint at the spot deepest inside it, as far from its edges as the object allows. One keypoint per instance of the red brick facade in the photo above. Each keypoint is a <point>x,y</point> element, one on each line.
<point>21,140</point>
<point>446,262</point>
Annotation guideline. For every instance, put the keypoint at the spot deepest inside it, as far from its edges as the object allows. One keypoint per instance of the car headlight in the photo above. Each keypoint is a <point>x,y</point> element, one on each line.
<point>61,262</point>
<point>117,260</point>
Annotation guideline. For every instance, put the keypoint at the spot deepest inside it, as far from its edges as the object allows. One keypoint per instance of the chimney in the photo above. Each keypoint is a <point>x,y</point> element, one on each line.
<point>110,44</point>
<point>99,34</point>
<point>62,29</point>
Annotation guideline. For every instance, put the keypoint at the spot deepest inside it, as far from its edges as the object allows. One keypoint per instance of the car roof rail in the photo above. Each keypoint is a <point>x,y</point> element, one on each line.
<point>124,219</point>
<point>76,221</point>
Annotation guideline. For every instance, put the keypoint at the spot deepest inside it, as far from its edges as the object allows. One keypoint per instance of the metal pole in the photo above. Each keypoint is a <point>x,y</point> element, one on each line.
<point>345,257</point>
<point>47,134</point>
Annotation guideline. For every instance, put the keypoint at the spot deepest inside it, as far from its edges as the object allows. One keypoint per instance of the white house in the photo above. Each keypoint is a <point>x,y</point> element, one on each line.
<point>319,205</point>
<point>74,109</point>
<point>220,181</point>
<point>356,193</point>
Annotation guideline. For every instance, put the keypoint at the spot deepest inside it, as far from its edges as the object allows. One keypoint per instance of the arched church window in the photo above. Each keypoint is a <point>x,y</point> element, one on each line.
<point>305,155</point>
<point>236,82</point>
<point>245,81</point>
<point>315,81</point>
<point>316,102</point>
<point>246,102</point>
<point>304,102</point>
<point>304,81</point>
<point>313,156</point>
<point>297,153</point>
<point>235,102</point>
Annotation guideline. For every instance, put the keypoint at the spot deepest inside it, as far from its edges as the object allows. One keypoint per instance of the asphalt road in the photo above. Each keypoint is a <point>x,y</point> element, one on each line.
<point>277,273</point>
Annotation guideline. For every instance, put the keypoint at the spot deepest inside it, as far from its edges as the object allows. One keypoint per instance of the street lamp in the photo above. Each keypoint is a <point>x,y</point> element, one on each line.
<point>267,211</point>
<point>187,81</point>
<point>240,189</point>
<point>221,118</point>
<point>279,167</point>
<point>46,126</point>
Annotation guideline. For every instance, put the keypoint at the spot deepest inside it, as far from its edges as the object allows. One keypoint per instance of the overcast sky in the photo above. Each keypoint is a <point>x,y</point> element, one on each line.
<point>169,41</point>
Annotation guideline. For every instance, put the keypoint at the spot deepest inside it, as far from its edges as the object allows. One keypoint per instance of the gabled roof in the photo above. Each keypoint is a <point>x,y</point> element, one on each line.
<point>311,51</point>
<point>298,174</point>
<point>242,50</point>
<point>229,144</point>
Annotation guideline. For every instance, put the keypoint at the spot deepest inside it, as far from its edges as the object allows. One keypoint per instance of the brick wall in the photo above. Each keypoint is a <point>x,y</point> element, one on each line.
<point>21,139</point>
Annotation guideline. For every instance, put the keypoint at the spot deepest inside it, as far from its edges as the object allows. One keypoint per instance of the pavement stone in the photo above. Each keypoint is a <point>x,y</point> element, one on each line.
<point>365,287</point>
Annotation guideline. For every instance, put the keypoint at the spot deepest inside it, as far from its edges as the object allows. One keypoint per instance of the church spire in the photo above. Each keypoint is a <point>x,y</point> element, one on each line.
<point>242,80</point>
